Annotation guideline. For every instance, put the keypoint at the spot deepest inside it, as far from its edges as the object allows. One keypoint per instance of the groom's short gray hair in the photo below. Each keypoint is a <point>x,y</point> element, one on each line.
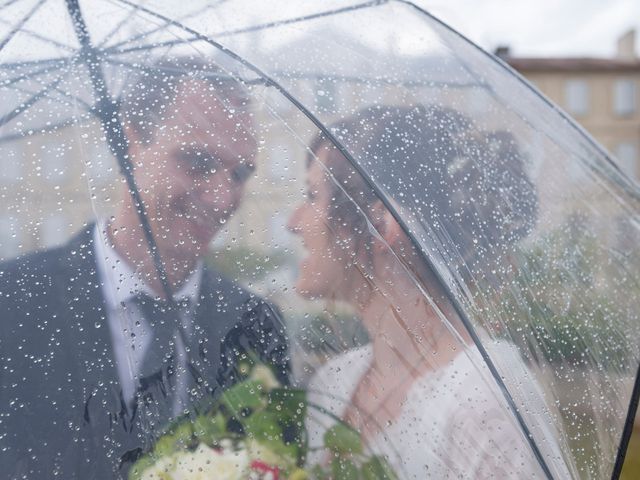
<point>147,96</point>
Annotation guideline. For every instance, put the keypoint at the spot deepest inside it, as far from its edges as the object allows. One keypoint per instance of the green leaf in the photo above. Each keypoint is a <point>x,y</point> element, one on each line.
<point>318,473</point>
<point>247,394</point>
<point>165,446</point>
<point>209,429</point>
<point>343,439</point>
<point>180,438</point>
<point>291,397</point>
<point>344,469</point>
<point>285,450</point>
<point>377,468</point>
<point>290,406</point>
<point>263,426</point>
<point>183,435</point>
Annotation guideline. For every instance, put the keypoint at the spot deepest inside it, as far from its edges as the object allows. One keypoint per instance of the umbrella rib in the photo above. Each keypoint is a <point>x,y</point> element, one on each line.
<point>627,184</point>
<point>118,143</point>
<point>628,428</point>
<point>63,93</point>
<point>25,105</point>
<point>304,18</point>
<point>117,28</point>
<point>75,99</point>
<point>152,31</point>
<point>166,43</point>
<point>34,63</point>
<point>392,210</point>
<point>10,81</point>
<point>254,28</point>
<point>469,326</point>
<point>78,100</point>
<point>218,3</point>
<point>47,129</point>
<point>42,37</point>
<point>342,78</point>
<point>19,25</point>
<point>142,68</point>
<point>380,81</point>
<point>107,113</point>
<point>629,187</point>
<point>269,82</point>
<point>8,3</point>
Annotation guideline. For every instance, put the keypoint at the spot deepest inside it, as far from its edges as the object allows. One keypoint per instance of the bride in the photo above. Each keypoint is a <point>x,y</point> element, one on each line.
<point>420,392</point>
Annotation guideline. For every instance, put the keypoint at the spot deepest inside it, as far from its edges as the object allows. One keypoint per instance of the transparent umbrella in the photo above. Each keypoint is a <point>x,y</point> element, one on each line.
<point>391,219</point>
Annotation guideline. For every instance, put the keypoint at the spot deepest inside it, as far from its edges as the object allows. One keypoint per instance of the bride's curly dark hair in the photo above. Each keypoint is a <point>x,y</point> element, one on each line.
<point>465,192</point>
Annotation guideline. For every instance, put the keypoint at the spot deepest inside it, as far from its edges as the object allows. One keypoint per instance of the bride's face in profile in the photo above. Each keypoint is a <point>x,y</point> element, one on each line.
<point>323,271</point>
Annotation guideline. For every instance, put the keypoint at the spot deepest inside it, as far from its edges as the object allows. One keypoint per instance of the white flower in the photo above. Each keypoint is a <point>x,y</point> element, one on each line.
<point>161,470</point>
<point>261,452</point>
<point>206,463</point>
<point>264,375</point>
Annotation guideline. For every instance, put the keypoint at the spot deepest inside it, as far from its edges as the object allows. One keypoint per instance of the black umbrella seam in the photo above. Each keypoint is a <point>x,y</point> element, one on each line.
<point>103,46</point>
<point>388,205</point>
<point>255,28</point>
<point>630,186</point>
<point>106,112</point>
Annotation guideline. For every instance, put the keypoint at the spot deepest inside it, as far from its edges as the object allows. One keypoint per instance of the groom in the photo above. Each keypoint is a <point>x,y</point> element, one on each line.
<point>94,359</point>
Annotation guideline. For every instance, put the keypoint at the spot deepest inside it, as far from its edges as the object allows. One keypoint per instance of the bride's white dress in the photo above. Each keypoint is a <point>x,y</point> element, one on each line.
<point>454,424</point>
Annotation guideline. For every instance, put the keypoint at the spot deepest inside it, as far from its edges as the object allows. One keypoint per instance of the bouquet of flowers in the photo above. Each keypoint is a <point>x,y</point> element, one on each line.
<point>255,431</point>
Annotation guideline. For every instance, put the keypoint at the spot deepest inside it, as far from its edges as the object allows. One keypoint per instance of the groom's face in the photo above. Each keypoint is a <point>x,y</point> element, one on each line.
<point>192,174</point>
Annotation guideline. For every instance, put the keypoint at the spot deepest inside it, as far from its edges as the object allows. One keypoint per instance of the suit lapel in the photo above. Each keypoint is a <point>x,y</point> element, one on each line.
<point>213,320</point>
<point>237,322</point>
<point>103,418</point>
<point>85,307</point>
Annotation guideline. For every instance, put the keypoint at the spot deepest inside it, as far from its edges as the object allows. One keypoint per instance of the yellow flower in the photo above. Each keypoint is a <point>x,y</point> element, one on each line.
<point>206,463</point>
<point>258,451</point>
<point>160,470</point>
<point>265,376</point>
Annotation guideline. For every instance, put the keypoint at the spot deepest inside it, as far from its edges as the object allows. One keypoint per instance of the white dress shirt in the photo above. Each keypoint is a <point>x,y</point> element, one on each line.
<point>130,332</point>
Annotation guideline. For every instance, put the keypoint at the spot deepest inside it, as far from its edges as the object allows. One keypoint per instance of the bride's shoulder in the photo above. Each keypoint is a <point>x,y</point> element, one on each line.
<point>344,367</point>
<point>332,384</point>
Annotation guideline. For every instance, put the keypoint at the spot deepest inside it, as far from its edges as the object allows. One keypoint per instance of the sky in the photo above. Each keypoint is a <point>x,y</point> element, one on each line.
<point>541,27</point>
<point>529,27</point>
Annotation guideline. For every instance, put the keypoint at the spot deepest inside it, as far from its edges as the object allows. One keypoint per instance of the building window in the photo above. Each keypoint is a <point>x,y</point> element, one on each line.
<point>576,96</point>
<point>624,97</point>
<point>627,154</point>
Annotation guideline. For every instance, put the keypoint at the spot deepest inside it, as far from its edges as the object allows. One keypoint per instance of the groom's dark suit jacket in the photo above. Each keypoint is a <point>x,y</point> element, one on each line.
<point>61,408</point>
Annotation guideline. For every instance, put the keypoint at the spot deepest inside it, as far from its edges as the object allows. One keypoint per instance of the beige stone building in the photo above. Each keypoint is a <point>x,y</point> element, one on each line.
<point>602,94</point>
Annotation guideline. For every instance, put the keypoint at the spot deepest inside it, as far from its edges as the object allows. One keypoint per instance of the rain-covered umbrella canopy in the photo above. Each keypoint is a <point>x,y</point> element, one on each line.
<point>351,193</point>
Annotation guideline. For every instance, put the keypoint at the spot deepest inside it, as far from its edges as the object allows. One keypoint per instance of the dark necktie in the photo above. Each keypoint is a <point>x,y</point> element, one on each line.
<point>163,324</point>
<point>156,375</point>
